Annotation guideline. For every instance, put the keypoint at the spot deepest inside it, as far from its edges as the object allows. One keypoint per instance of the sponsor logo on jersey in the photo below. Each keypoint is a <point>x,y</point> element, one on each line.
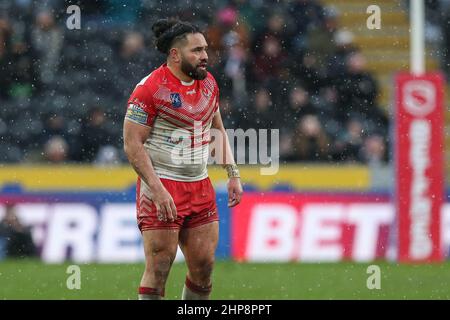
<point>206,93</point>
<point>136,113</point>
<point>175,98</point>
<point>173,140</point>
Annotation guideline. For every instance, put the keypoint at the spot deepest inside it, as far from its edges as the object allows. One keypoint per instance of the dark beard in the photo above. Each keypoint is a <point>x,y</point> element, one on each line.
<point>193,72</point>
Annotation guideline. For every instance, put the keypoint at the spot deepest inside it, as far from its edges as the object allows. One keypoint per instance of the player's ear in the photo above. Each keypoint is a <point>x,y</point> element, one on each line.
<point>175,55</point>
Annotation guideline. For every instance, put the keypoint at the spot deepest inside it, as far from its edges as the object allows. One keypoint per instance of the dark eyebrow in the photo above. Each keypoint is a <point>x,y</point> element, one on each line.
<point>196,48</point>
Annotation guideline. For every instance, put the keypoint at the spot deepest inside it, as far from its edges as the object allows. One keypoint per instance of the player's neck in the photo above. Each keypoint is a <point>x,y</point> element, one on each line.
<point>178,73</point>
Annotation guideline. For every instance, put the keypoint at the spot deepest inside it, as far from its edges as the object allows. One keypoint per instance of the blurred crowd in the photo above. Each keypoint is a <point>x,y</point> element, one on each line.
<point>16,240</point>
<point>280,64</point>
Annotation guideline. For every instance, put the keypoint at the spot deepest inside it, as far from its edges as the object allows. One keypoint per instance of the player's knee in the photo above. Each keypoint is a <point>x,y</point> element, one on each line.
<point>204,267</point>
<point>159,266</point>
<point>162,269</point>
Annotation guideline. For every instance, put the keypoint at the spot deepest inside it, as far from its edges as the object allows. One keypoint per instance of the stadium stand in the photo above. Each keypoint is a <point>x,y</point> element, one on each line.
<point>300,68</point>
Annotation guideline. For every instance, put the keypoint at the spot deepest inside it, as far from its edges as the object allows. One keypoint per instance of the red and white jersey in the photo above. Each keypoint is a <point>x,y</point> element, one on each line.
<point>180,116</point>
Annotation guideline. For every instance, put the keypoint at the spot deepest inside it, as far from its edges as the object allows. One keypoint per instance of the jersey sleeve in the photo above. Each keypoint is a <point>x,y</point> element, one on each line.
<point>140,107</point>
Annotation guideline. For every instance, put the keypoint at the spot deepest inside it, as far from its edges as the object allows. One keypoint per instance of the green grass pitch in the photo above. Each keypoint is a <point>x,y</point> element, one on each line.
<point>31,279</point>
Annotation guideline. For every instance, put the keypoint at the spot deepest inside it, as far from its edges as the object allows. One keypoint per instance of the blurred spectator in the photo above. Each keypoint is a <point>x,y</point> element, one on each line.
<point>56,150</point>
<point>320,38</point>
<point>93,134</point>
<point>226,22</point>
<point>107,156</point>
<point>374,150</point>
<point>279,25</point>
<point>235,66</point>
<point>347,146</point>
<point>15,238</point>
<point>132,45</point>
<point>357,93</point>
<point>298,107</point>
<point>5,58</point>
<point>250,13</point>
<point>228,113</point>
<point>23,74</point>
<point>307,14</point>
<point>433,18</point>
<point>47,40</point>
<point>54,125</point>
<point>134,63</point>
<point>307,71</point>
<point>269,60</point>
<point>343,40</point>
<point>309,142</point>
<point>262,114</point>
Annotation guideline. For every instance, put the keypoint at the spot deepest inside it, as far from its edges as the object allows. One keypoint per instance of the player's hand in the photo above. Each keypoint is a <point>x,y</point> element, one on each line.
<point>165,206</point>
<point>234,191</point>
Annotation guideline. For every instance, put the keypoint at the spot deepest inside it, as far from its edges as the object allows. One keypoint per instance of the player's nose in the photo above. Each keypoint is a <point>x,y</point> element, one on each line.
<point>204,56</point>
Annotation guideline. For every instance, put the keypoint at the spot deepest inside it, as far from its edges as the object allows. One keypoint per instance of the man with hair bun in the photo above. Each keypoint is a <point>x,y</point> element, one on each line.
<point>167,128</point>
